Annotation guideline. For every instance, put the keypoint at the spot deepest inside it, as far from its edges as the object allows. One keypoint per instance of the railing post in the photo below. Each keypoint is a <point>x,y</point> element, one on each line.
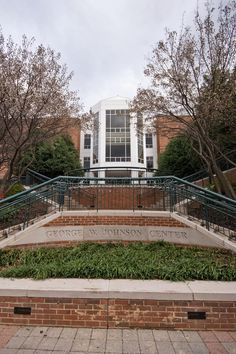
<point>206,215</point>
<point>133,194</point>
<point>97,196</point>
<point>69,199</point>
<point>27,179</point>
<point>26,213</point>
<point>171,200</point>
<point>61,196</point>
<point>164,198</point>
<point>172,197</point>
<point>25,217</point>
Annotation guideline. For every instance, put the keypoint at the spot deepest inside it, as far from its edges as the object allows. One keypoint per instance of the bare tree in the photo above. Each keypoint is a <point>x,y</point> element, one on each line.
<point>193,73</point>
<point>35,100</point>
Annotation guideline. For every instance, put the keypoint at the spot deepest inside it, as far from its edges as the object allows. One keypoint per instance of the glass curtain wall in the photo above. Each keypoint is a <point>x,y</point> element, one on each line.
<point>118,136</point>
<point>140,137</point>
<point>95,138</point>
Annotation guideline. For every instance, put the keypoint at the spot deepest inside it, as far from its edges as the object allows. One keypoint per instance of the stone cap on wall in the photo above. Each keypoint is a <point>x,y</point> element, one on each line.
<point>119,289</point>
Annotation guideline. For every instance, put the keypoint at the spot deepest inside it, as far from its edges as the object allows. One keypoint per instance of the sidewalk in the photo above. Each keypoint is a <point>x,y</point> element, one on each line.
<point>55,340</point>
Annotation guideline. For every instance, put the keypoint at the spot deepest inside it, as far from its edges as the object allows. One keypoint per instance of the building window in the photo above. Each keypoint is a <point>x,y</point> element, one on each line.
<point>118,135</point>
<point>149,161</point>
<point>149,143</point>
<point>87,141</point>
<point>86,163</point>
<point>140,146</point>
<point>140,137</point>
<point>95,138</point>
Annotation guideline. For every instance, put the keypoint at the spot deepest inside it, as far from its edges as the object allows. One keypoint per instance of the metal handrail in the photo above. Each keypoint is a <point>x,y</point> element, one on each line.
<point>37,174</point>
<point>177,195</point>
<point>171,179</point>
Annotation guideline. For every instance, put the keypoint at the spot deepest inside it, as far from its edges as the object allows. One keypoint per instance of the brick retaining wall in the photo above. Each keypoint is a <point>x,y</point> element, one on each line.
<point>118,313</point>
<point>117,197</point>
<point>75,220</point>
<point>119,303</point>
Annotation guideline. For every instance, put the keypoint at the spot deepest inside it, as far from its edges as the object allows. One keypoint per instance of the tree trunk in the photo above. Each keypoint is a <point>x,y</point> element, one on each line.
<point>5,186</point>
<point>213,180</point>
<point>224,183</point>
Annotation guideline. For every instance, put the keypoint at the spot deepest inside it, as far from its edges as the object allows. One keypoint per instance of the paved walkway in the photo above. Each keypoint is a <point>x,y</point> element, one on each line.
<point>54,340</point>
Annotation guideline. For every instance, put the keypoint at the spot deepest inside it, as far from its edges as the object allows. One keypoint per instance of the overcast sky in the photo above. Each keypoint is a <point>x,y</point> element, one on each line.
<point>105,42</point>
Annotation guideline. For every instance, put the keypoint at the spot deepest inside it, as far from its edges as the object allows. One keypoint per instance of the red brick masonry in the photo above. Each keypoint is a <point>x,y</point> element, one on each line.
<point>117,313</point>
<point>115,220</point>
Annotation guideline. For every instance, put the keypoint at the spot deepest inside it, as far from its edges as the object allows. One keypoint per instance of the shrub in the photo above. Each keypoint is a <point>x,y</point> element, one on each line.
<point>7,215</point>
<point>54,158</point>
<point>179,159</point>
<point>14,189</point>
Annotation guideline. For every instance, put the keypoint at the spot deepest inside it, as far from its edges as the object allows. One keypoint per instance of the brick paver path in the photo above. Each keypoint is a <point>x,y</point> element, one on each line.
<point>6,333</point>
<point>55,340</point>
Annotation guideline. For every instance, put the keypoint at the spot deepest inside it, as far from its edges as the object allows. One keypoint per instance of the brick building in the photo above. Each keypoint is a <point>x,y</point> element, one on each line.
<point>166,129</point>
<point>75,134</point>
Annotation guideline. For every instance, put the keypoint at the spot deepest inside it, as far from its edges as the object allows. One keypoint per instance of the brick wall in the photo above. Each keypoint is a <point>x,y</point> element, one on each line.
<point>166,129</point>
<point>118,313</point>
<point>114,220</point>
<point>121,197</point>
<point>74,133</point>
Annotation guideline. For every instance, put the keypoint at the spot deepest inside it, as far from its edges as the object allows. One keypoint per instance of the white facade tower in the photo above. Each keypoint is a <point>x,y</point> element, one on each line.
<point>117,141</point>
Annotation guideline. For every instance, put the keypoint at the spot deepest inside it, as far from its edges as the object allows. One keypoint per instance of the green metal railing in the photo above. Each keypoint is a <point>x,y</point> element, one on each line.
<point>169,193</point>
<point>33,178</point>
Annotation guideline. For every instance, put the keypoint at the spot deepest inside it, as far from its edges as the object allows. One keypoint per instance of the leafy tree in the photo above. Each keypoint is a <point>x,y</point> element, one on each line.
<point>55,158</point>
<point>179,159</point>
<point>193,73</point>
<point>36,102</point>
<point>219,92</point>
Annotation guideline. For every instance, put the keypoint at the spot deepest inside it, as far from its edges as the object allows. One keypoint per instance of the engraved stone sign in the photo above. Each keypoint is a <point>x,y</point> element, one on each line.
<point>168,235</point>
<point>182,235</point>
<point>115,233</point>
<point>59,234</point>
